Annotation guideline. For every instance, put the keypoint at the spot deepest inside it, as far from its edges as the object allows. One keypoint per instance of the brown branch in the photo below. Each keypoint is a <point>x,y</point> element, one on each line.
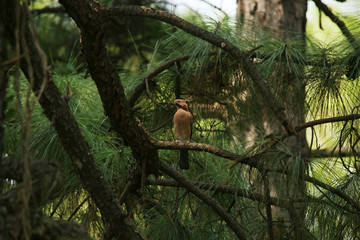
<point>214,39</point>
<point>323,7</point>
<point>327,120</point>
<point>88,17</point>
<point>11,62</point>
<point>253,161</point>
<point>297,129</point>
<point>206,199</point>
<point>202,147</point>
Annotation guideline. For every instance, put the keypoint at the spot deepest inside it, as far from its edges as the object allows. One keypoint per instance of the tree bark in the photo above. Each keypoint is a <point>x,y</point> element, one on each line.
<point>87,15</point>
<point>287,19</point>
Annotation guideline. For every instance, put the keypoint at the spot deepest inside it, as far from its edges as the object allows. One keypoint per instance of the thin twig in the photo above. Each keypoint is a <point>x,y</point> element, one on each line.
<point>151,97</point>
<point>78,208</point>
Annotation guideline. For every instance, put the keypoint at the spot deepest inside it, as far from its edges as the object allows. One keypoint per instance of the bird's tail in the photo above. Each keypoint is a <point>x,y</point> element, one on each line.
<point>184,159</point>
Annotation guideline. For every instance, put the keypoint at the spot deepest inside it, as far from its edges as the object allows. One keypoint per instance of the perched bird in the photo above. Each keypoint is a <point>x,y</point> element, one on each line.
<point>183,129</point>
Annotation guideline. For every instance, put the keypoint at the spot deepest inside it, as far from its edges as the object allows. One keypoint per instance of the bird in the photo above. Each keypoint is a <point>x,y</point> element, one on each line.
<point>183,129</point>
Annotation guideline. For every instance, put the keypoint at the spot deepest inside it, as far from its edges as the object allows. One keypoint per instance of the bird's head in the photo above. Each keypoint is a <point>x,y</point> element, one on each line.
<point>181,103</point>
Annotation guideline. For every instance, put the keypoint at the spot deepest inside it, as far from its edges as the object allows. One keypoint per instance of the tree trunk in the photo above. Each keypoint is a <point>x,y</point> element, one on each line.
<point>287,19</point>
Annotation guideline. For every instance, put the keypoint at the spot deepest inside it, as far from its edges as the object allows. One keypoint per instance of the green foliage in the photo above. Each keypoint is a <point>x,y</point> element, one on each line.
<point>229,113</point>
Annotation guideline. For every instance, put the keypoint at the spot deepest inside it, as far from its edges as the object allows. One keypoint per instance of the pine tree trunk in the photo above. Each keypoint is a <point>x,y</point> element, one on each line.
<point>287,19</point>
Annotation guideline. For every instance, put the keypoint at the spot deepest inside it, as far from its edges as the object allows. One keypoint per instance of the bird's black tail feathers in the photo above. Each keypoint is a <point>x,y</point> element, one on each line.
<point>184,159</point>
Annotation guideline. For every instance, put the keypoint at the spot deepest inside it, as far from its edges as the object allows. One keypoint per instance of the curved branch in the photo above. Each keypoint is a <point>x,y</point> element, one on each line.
<point>327,120</point>
<point>206,199</point>
<point>214,39</point>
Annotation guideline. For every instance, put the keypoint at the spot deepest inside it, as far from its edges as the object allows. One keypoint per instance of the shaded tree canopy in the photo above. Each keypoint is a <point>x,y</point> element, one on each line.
<point>86,142</point>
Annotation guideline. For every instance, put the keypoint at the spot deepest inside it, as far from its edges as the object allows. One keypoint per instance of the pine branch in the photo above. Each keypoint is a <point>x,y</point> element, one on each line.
<point>327,120</point>
<point>87,15</point>
<point>214,39</point>
<point>255,163</point>
<point>297,129</point>
<point>206,199</point>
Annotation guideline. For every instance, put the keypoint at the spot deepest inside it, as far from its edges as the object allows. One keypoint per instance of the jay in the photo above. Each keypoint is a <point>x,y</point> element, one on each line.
<point>183,129</point>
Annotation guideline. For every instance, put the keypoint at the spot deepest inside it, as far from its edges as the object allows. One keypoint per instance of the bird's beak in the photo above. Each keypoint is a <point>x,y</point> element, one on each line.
<point>176,104</point>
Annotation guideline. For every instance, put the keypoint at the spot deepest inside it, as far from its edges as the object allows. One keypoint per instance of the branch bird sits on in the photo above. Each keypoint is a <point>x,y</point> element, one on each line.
<point>183,129</point>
